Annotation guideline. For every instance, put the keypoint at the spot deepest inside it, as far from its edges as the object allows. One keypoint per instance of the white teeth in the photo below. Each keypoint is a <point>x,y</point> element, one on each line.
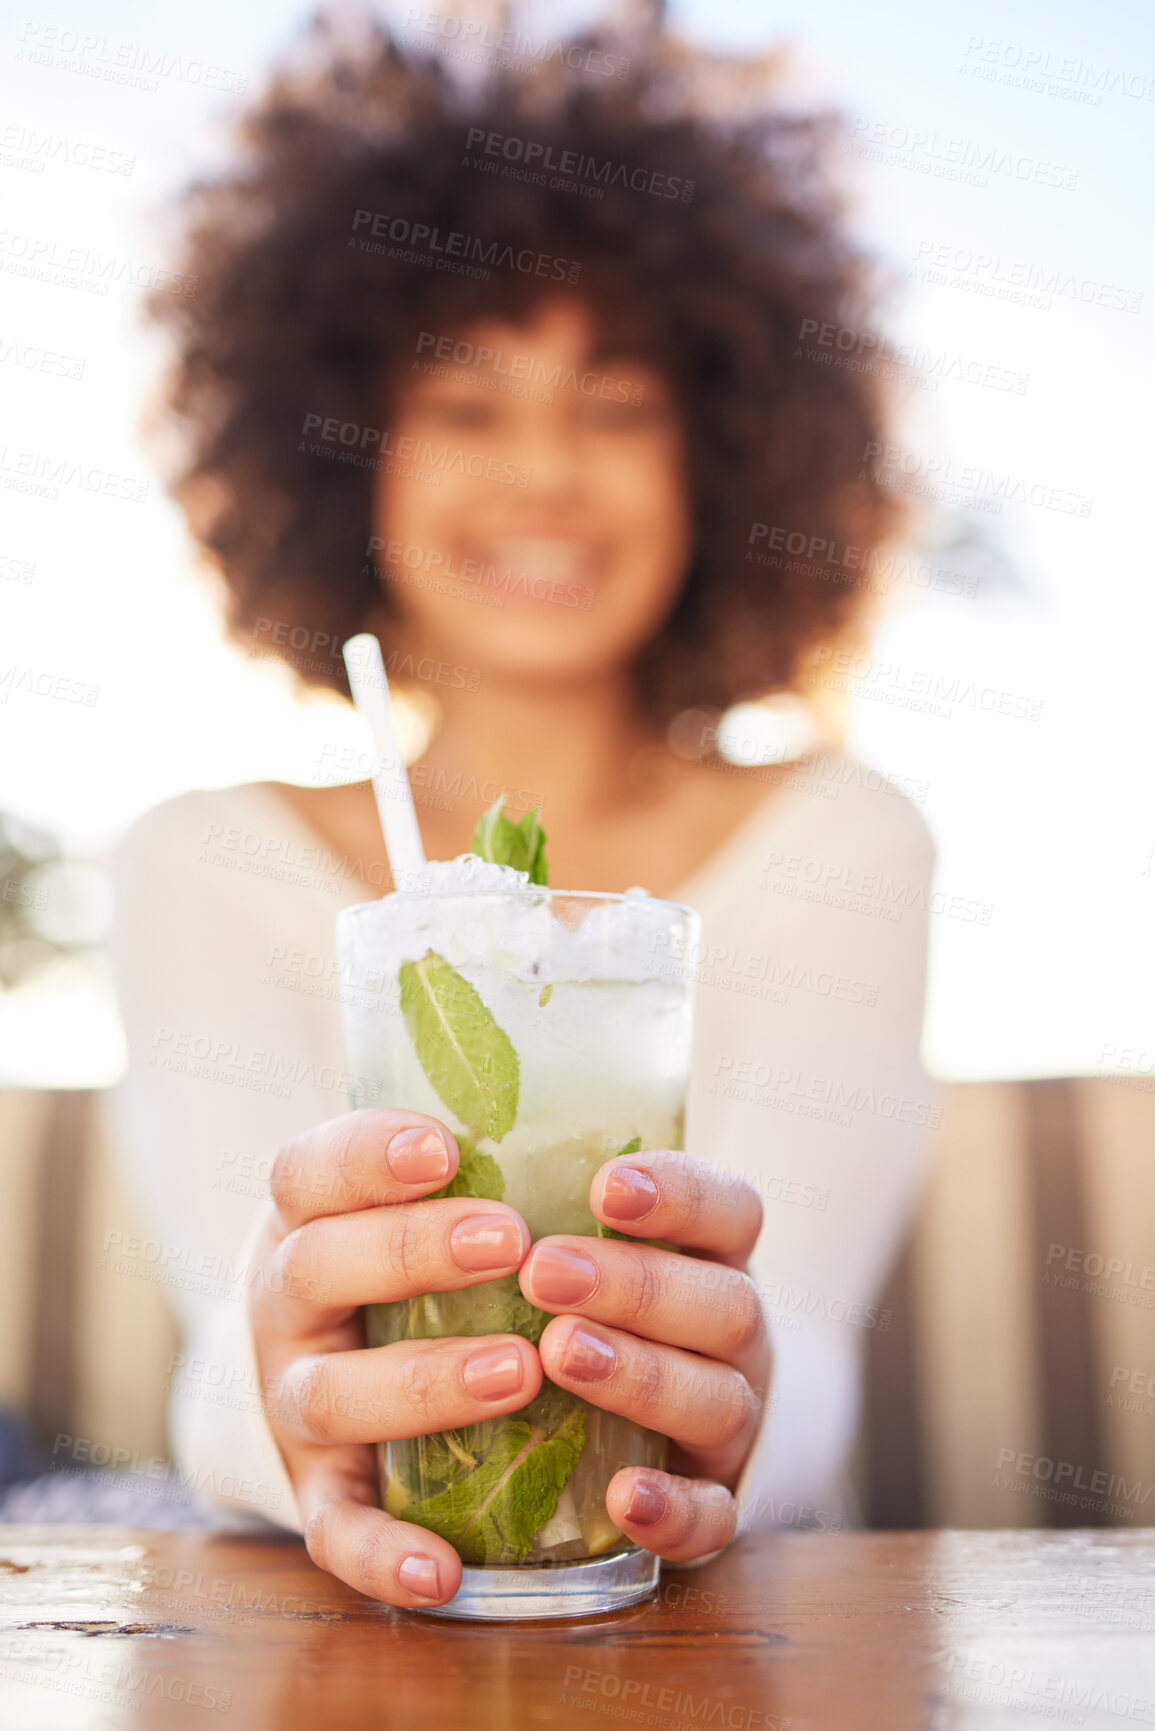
<point>561,560</point>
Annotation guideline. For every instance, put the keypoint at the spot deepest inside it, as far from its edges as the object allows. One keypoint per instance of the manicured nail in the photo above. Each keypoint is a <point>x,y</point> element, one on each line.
<point>417,1156</point>
<point>589,1357</point>
<point>494,1374</point>
<point>629,1195</point>
<point>486,1241</point>
<point>419,1575</point>
<point>648,1504</point>
<point>560,1275</point>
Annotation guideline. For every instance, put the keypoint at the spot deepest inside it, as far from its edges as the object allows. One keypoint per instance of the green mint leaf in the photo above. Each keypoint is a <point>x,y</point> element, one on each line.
<point>525,1319</point>
<point>521,845</point>
<point>491,1515</point>
<point>551,1407</point>
<point>495,1307</point>
<point>468,1059</point>
<point>485,1309</point>
<point>477,1174</point>
<point>491,839</point>
<point>538,867</point>
<point>434,1461</point>
<point>633,1146</point>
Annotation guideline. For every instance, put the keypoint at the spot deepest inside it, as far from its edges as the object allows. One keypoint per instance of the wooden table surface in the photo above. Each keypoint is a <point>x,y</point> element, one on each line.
<point>102,1627</point>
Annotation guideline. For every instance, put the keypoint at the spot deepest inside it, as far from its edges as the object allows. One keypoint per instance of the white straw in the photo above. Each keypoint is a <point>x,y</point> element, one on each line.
<point>391,787</point>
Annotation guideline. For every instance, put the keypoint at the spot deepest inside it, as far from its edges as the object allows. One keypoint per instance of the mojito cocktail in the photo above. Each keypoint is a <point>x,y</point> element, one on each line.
<point>551,1031</point>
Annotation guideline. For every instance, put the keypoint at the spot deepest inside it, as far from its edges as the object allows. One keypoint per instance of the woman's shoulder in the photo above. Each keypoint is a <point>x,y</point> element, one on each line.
<point>194,829</point>
<point>232,856</point>
<point>839,795</point>
<point>832,804</point>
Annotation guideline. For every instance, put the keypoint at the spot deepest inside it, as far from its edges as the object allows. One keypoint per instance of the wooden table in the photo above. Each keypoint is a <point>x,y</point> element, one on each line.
<point>105,1628</point>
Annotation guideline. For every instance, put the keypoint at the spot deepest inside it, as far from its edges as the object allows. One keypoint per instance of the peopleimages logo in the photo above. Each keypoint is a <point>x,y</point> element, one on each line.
<point>462,253</point>
<point>1016,280</point>
<point>1099,1483</point>
<point>928,689</point>
<point>135,65</point>
<point>485,360</point>
<point>828,1091</point>
<point>984,489</point>
<point>1033,68</point>
<point>959,159</point>
<point>537,161</point>
<point>510,49</point>
<point>41,474</point>
<point>633,1694</point>
<point>349,441</point>
<point>28,147</point>
<point>54,259</point>
<point>912,363</point>
<point>485,581</point>
<point>50,363</point>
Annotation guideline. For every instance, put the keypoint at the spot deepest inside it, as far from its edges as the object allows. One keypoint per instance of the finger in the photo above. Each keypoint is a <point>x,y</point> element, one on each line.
<point>679,1519</point>
<point>707,1407</point>
<point>363,1160</point>
<point>659,1194</point>
<point>380,1556</point>
<point>705,1307</point>
<point>410,1389</point>
<point>378,1255</point>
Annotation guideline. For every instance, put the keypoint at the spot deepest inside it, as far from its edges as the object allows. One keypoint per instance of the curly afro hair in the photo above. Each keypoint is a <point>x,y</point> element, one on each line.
<point>703,243</point>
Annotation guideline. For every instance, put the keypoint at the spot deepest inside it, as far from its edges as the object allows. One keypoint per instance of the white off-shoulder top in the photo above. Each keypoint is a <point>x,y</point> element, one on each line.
<point>806,1079</point>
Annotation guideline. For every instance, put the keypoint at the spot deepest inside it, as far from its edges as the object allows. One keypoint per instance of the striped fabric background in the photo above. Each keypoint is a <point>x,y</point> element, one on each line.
<point>84,1351</point>
<point>1014,1385</point>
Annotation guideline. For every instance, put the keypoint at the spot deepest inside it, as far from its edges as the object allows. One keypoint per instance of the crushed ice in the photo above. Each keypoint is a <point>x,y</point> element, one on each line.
<point>632,937</point>
<point>468,874</point>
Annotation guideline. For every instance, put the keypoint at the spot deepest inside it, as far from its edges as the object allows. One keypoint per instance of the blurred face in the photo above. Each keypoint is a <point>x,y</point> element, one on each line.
<point>556,539</point>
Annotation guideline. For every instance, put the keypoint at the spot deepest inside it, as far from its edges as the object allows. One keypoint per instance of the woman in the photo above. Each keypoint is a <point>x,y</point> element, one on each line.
<point>527,426</point>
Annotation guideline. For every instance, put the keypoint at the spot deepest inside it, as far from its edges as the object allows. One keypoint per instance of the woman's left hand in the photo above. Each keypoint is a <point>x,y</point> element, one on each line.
<point>676,1343</point>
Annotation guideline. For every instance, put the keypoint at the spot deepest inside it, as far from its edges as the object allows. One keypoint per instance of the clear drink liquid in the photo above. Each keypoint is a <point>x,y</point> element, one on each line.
<point>599,1016</point>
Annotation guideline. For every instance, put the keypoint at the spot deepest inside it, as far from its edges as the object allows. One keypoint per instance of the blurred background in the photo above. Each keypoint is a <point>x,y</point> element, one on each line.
<point>999,163</point>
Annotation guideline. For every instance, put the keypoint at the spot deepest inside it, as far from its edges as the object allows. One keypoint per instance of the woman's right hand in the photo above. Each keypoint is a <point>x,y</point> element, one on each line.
<point>347,1227</point>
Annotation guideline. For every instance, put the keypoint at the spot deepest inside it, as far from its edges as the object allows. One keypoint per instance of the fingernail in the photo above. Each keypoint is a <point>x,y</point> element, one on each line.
<point>419,1575</point>
<point>629,1195</point>
<point>486,1241</point>
<point>589,1357</point>
<point>494,1374</point>
<point>648,1504</point>
<point>417,1156</point>
<point>560,1275</point>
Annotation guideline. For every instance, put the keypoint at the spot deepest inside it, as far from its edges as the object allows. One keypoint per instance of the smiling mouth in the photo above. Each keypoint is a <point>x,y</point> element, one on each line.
<point>552,558</point>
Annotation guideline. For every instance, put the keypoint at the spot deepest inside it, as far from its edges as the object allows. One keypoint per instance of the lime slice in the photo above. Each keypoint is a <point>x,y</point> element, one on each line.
<point>600,1534</point>
<point>397,1498</point>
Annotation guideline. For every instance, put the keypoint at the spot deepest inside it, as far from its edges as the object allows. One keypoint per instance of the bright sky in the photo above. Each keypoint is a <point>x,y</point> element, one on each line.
<point>1043,815</point>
